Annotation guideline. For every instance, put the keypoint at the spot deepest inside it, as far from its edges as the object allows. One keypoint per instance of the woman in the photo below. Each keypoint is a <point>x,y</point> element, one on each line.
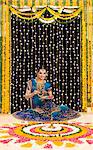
<point>42,107</point>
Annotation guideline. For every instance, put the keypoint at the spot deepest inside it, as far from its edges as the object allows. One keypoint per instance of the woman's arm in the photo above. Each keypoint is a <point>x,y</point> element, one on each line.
<point>51,96</point>
<point>28,93</point>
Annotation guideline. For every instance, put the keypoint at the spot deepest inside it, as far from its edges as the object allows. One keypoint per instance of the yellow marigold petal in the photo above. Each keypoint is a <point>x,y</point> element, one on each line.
<point>3,131</point>
<point>32,123</point>
<point>89,137</point>
<point>16,124</point>
<point>69,144</point>
<point>58,143</point>
<point>40,142</point>
<point>6,136</point>
<point>90,126</point>
<point>26,145</point>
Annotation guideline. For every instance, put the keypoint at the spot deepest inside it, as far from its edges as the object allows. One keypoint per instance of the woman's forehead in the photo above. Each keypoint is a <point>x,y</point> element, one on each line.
<point>42,70</point>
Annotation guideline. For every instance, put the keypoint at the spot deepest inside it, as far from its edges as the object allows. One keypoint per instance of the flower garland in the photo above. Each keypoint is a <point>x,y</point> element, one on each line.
<point>3,57</point>
<point>27,18</point>
<point>64,16</point>
<point>25,14</point>
<point>38,14</point>
<point>83,60</point>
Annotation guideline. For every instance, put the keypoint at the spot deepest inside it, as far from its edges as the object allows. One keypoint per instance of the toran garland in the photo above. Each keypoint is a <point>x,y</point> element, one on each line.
<point>31,18</point>
<point>38,14</point>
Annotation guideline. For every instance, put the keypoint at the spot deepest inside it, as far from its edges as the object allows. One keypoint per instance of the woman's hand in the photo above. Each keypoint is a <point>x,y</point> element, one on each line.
<point>44,92</point>
<point>27,96</point>
<point>43,97</point>
<point>46,97</point>
<point>30,95</point>
<point>36,92</point>
<point>50,94</point>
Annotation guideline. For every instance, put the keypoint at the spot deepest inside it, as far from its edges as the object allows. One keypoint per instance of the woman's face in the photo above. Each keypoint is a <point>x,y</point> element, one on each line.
<point>42,74</point>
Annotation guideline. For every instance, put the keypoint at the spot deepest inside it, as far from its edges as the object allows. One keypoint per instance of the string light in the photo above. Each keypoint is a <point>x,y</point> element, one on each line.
<point>57,47</point>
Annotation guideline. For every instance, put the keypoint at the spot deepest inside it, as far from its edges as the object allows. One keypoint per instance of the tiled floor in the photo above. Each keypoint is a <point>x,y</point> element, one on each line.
<point>7,120</point>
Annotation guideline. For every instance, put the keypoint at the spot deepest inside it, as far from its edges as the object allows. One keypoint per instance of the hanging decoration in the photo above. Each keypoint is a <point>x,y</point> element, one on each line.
<point>39,14</point>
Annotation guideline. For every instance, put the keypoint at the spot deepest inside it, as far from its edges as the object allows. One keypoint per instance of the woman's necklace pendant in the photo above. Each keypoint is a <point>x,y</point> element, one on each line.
<point>40,86</point>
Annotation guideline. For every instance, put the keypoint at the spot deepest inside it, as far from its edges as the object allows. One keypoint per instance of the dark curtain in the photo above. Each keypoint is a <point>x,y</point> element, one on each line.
<point>56,46</point>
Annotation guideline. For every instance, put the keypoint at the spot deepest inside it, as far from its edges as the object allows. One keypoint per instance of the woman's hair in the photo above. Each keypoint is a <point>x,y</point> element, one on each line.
<point>40,69</point>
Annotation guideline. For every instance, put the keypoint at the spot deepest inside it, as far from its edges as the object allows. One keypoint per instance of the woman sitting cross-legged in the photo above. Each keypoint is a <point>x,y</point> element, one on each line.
<point>39,91</point>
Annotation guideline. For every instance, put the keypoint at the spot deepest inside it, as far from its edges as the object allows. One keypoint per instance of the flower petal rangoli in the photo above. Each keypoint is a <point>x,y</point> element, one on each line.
<point>42,133</point>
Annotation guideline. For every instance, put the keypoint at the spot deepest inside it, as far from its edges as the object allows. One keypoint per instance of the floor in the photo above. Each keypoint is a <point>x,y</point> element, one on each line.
<point>76,134</point>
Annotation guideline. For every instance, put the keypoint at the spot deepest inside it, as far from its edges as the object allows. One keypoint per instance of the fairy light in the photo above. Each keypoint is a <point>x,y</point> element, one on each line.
<point>54,62</point>
<point>71,65</point>
<point>57,47</point>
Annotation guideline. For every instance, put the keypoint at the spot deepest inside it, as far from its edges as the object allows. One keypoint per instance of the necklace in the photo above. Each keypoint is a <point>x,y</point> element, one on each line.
<point>40,85</point>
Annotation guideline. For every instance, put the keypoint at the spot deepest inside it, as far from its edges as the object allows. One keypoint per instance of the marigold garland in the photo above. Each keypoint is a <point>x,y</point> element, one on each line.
<point>38,14</point>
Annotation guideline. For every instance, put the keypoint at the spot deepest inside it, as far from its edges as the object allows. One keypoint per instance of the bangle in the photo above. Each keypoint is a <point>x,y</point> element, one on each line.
<point>50,97</point>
